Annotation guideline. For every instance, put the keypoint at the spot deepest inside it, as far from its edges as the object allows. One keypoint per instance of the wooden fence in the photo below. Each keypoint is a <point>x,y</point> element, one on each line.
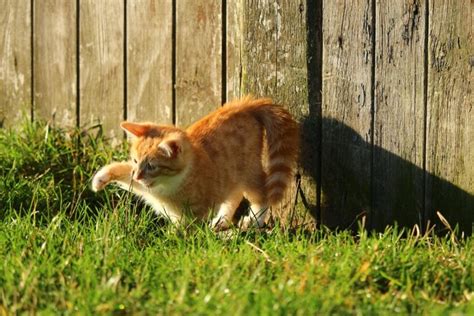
<point>382,88</point>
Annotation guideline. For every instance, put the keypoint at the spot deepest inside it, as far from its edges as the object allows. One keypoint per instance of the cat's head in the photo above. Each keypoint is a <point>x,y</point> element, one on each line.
<point>157,152</point>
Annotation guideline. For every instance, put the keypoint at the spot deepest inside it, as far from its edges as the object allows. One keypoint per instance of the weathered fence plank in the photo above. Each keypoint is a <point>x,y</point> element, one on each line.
<point>101,64</point>
<point>450,121</point>
<point>346,111</point>
<point>291,90</point>
<point>15,61</point>
<point>274,64</point>
<point>198,59</point>
<point>149,84</point>
<point>261,29</point>
<point>55,61</point>
<point>259,57</point>
<point>234,49</point>
<point>290,64</point>
<point>399,114</point>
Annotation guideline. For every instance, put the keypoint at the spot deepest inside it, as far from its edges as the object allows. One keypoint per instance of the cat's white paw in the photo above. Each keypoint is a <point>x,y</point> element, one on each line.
<point>247,222</point>
<point>220,223</point>
<point>100,180</point>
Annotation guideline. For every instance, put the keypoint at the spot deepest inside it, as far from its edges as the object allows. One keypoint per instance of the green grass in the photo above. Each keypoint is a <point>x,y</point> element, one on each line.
<point>64,249</point>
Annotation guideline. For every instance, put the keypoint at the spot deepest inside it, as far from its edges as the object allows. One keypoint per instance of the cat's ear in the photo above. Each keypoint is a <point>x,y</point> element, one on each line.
<point>135,129</point>
<point>170,147</point>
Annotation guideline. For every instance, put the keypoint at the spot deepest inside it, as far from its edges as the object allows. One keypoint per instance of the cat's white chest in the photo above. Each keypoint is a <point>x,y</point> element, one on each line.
<point>169,186</point>
<point>162,208</point>
<point>166,187</point>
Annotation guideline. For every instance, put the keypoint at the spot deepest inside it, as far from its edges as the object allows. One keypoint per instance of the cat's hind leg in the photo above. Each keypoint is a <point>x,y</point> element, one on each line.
<point>223,219</point>
<point>258,208</point>
<point>256,217</point>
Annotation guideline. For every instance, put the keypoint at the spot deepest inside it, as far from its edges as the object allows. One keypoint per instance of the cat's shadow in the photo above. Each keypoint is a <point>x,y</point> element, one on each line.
<point>358,179</point>
<point>344,172</point>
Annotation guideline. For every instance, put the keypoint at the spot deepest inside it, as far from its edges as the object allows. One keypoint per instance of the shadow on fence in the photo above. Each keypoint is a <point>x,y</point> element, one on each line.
<point>342,163</point>
<point>347,194</point>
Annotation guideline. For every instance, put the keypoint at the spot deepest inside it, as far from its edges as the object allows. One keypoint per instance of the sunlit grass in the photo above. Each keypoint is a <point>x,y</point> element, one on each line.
<point>64,249</point>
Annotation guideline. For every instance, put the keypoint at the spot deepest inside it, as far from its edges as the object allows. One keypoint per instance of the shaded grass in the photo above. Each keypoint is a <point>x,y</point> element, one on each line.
<point>46,170</point>
<point>66,250</point>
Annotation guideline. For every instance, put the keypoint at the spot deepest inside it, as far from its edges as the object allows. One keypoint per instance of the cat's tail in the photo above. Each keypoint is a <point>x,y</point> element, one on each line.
<point>282,144</point>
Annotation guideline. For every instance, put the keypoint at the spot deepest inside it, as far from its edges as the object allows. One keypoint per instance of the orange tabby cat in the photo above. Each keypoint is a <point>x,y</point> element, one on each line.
<point>247,148</point>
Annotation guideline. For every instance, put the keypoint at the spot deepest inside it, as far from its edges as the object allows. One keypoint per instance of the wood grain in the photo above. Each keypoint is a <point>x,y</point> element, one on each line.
<point>399,114</point>
<point>274,63</point>
<point>259,73</point>
<point>346,111</point>
<point>15,62</point>
<point>234,48</point>
<point>450,120</point>
<point>198,59</point>
<point>290,63</point>
<point>292,92</point>
<point>55,62</point>
<point>101,65</point>
<point>149,81</point>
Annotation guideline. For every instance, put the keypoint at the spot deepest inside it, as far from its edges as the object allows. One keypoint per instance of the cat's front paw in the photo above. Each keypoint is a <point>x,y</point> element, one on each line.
<point>100,180</point>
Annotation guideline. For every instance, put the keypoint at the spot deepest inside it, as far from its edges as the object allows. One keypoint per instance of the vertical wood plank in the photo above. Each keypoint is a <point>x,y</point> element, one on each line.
<point>149,61</point>
<point>259,58</point>
<point>198,59</point>
<point>346,111</point>
<point>15,62</point>
<point>291,90</point>
<point>274,57</point>
<point>55,61</point>
<point>450,121</point>
<point>290,63</point>
<point>399,113</point>
<point>101,64</point>
<point>274,63</point>
<point>234,45</point>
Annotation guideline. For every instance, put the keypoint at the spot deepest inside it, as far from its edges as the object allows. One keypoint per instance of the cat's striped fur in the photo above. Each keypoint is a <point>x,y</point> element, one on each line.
<point>247,148</point>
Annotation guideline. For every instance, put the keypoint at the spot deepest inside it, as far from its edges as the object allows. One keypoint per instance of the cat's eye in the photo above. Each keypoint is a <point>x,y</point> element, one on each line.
<point>134,160</point>
<point>149,166</point>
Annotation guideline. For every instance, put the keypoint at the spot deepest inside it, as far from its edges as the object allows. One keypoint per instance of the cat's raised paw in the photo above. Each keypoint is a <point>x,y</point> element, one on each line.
<point>100,180</point>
